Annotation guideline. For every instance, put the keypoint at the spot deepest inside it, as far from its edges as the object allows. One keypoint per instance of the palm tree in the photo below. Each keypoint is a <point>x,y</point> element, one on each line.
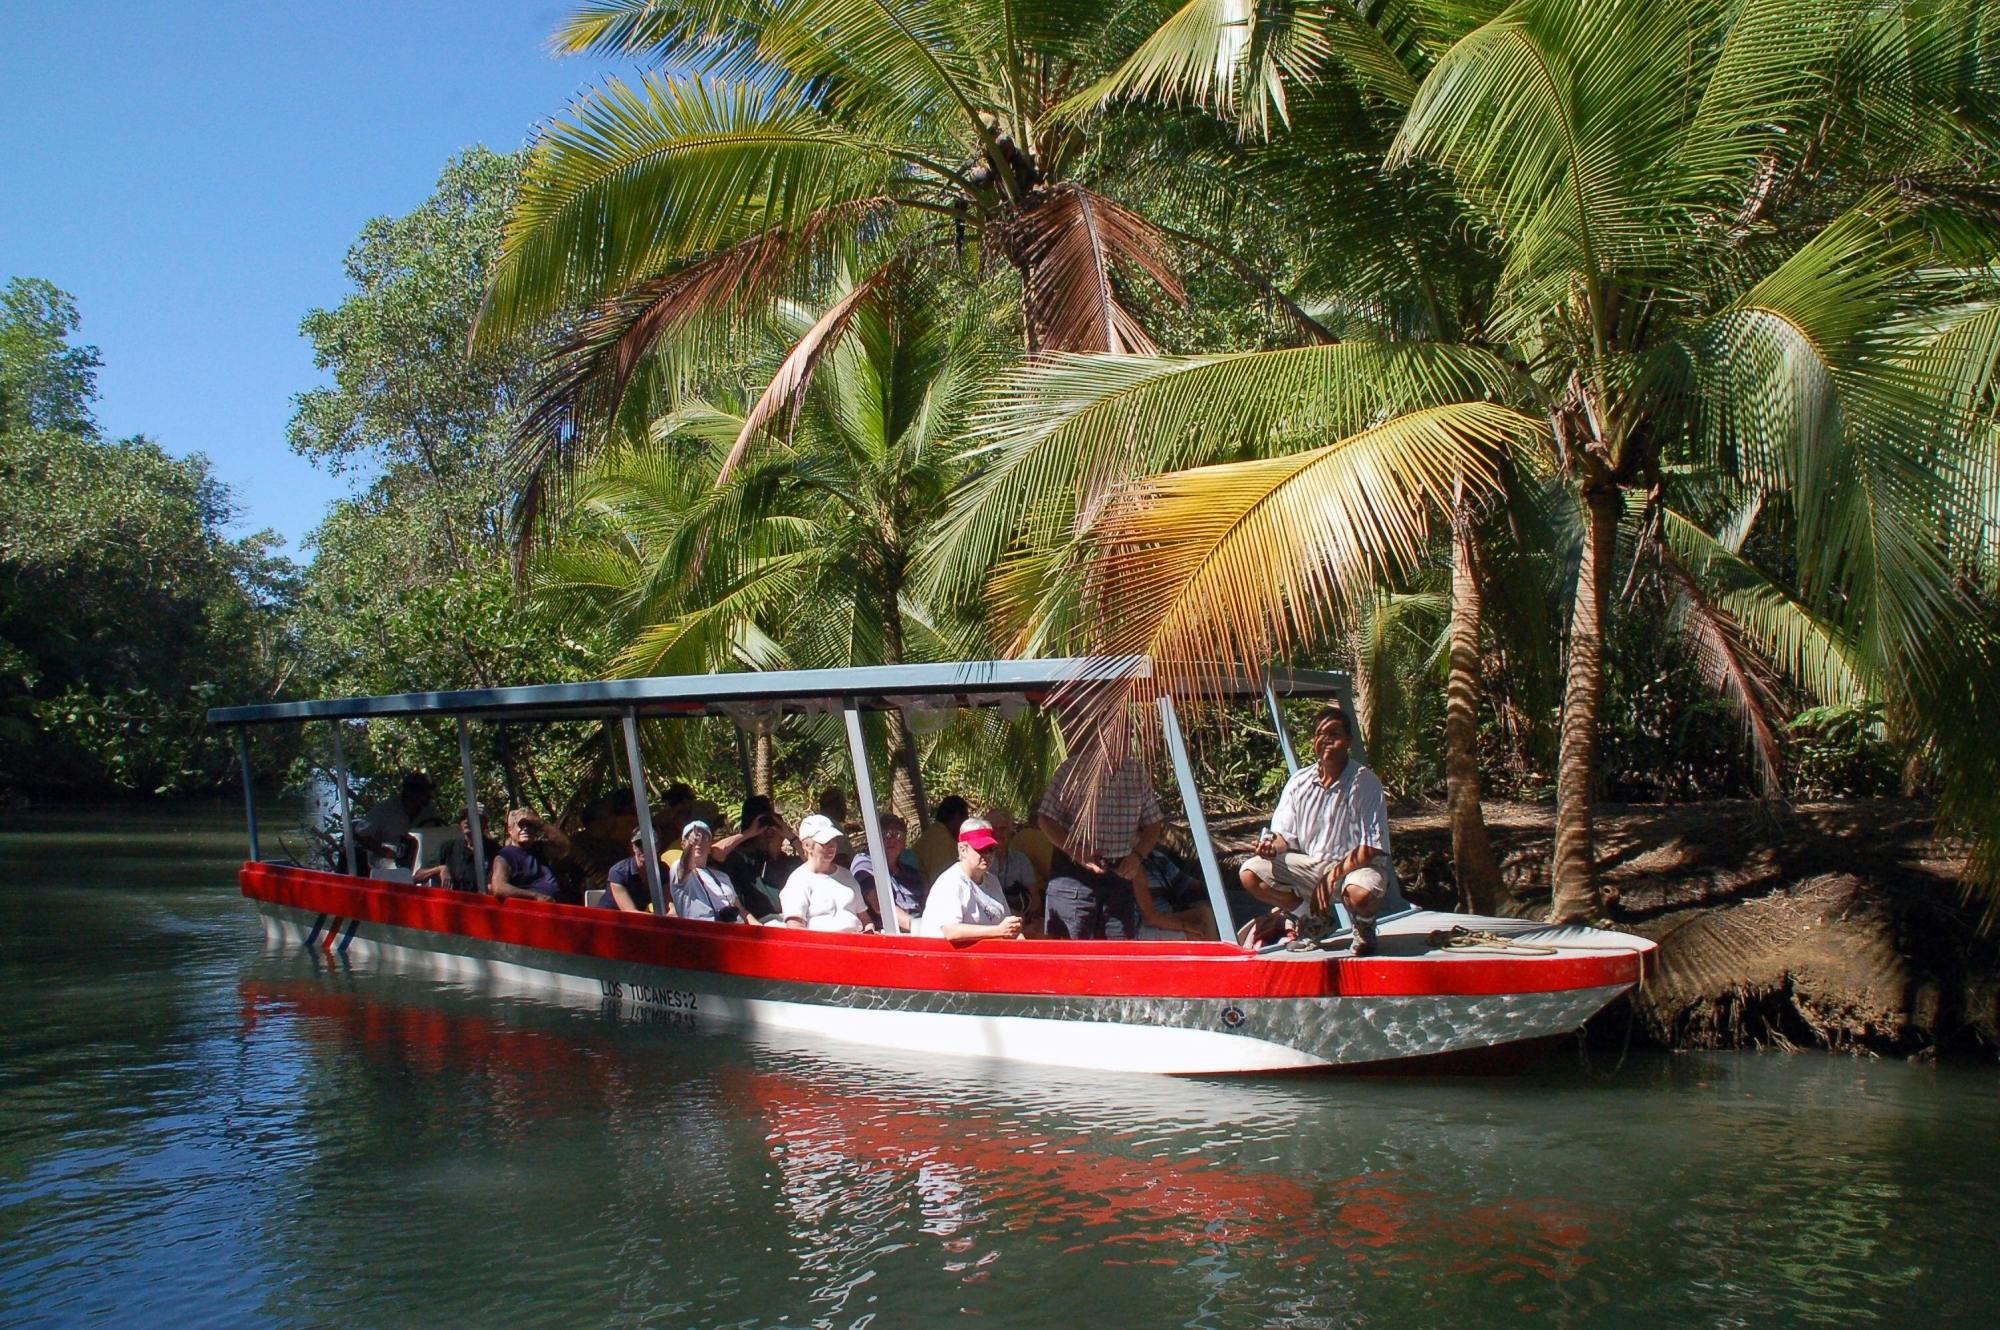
<point>800,556</point>
<point>795,130</point>
<point>1742,239</point>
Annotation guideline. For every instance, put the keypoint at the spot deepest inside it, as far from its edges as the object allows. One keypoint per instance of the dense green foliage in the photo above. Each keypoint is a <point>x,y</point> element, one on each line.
<point>126,610</point>
<point>411,583</point>
<point>755,370</point>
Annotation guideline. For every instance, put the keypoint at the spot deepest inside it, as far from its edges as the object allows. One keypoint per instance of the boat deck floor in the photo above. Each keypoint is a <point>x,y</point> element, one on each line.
<point>1424,935</point>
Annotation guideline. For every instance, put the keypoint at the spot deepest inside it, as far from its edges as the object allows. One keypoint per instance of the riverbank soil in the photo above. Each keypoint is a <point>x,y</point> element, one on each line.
<point>1829,925</point>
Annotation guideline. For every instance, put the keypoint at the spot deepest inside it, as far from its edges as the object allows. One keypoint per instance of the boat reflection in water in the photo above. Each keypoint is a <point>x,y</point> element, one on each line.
<point>827,1181</point>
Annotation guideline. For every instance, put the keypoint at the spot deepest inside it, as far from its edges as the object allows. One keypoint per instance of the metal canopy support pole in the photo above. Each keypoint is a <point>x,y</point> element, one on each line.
<point>871,823</point>
<point>346,805</point>
<point>1278,720</point>
<point>249,788</point>
<point>472,803</point>
<point>1211,870</point>
<point>645,811</point>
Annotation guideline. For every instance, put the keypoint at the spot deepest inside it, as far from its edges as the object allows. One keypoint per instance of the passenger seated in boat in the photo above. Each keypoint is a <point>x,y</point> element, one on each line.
<point>458,871</point>
<point>937,848</point>
<point>1014,873</point>
<point>626,885</point>
<point>383,832</point>
<point>962,905</point>
<point>677,803</point>
<point>756,858</point>
<point>1330,827</point>
<point>600,833</point>
<point>699,891</point>
<point>524,866</point>
<point>1170,897</point>
<point>907,887</point>
<point>821,895</point>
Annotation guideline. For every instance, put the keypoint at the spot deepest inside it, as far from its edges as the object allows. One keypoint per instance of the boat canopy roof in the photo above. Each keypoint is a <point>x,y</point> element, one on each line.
<point>752,696</point>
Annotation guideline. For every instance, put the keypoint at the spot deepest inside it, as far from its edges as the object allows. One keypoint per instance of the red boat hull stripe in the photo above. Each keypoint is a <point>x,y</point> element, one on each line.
<point>1094,969</point>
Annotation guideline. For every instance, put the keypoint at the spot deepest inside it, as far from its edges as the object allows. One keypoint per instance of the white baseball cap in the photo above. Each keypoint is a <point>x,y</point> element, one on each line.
<point>817,830</point>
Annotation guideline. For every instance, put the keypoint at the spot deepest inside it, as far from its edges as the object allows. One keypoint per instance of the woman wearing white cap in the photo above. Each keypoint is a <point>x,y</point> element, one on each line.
<point>965,903</point>
<point>820,894</point>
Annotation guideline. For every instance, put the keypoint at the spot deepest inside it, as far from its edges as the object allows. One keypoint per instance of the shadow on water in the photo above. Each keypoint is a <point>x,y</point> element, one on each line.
<point>192,1127</point>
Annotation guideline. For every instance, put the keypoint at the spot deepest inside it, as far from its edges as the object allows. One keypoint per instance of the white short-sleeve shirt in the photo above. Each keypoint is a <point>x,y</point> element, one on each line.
<point>956,899</point>
<point>1331,821</point>
<point>827,902</point>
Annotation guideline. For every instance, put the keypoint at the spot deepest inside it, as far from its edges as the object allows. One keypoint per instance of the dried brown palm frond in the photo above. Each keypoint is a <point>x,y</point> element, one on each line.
<point>1726,659</point>
<point>1073,244</point>
<point>787,388</point>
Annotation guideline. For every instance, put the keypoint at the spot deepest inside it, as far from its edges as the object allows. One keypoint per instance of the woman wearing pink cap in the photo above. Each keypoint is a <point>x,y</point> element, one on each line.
<point>964,903</point>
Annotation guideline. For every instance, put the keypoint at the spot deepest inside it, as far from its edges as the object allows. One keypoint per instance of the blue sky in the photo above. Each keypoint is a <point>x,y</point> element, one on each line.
<point>194,173</point>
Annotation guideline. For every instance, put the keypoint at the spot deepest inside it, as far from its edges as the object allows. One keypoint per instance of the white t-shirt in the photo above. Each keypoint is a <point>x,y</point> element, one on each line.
<point>956,899</point>
<point>827,902</point>
<point>703,892</point>
<point>1330,821</point>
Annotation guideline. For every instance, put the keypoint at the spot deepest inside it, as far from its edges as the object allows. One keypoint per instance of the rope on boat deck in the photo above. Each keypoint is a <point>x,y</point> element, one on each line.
<point>1458,938</point>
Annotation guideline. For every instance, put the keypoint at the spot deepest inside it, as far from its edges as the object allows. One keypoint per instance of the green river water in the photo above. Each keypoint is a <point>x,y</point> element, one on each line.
<point>196,1132</point>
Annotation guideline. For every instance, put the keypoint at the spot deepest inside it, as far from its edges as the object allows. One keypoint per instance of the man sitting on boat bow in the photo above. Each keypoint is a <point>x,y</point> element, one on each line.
<point>1331,824</point>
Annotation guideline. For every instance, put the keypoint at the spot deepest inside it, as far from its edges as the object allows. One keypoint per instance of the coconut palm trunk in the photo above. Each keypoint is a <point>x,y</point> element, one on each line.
<point>761,762</point>
<point>906,776</point>
<point>1573,880</point>
<point>1471,848</point>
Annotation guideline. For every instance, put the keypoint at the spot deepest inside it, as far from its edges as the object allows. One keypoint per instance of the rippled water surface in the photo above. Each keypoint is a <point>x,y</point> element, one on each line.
<point>196,1131</point>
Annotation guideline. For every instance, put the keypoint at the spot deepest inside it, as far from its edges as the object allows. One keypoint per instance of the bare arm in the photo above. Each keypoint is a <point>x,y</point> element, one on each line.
<point>1133,866</point>
<point>955,932</point>
<point>502,886</point>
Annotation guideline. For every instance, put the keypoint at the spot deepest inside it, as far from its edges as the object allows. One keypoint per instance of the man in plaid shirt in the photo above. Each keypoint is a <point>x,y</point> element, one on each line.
<point>1099,850</point>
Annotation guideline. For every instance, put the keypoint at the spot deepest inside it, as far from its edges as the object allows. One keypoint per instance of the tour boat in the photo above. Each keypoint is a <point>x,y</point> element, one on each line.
<point>1443,992</point>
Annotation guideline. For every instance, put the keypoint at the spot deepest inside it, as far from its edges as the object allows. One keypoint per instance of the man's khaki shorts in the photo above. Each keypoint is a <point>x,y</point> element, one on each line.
<point>1301,875</point>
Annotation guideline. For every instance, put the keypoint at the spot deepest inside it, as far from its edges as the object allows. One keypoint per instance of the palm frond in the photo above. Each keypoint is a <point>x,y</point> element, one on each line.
<point>1075,243</point>
<point>661,28</point>
<point>1815,653</point>
<point>638,178</point>
<point>583,380</point>
<point>1724,659</point>
<point>1059,433</point>
<point>794,374</point>
<point>1561,122</point>
<point>1239,562</point>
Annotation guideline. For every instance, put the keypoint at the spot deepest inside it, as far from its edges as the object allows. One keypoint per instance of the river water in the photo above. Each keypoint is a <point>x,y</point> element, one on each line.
<point>195,1131</point>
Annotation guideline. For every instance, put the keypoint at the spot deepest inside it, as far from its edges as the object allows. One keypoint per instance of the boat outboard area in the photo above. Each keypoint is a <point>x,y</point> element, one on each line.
<point>1351,979</point>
